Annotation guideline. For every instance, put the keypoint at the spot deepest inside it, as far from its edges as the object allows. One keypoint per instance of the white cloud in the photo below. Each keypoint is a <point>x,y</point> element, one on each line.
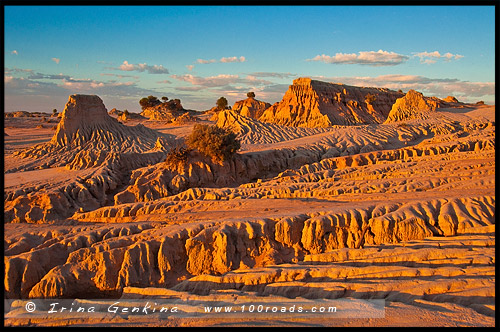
<point>272,74</point>
<point>14,52</point>
<point>233,59</point>
<point>190,67</point>
<point>119,76</point>
<point>56,60</point>
<point>211,81</point>
<point>430,57</point>
<point>202,61</point>
<point>223,60</point>
<point>142,67</point>
<point>370,58</point>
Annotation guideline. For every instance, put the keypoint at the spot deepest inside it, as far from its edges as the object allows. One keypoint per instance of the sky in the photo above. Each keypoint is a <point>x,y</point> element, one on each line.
<point>200,53</point>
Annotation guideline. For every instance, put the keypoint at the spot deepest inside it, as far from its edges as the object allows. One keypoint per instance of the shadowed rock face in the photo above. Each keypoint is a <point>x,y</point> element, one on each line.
<point>250,107</point>
<point>310,103</point>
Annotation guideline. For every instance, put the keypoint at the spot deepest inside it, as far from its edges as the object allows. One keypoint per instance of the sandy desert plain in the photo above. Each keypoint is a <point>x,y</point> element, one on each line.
<point>332,197</point>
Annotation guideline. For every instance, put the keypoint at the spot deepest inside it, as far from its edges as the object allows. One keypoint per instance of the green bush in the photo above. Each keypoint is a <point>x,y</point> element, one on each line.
<point>219,144</point>
<point>221,103</point>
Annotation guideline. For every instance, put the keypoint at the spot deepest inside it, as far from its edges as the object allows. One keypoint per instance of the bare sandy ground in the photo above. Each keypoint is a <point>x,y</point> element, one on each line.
<point>399,213</point>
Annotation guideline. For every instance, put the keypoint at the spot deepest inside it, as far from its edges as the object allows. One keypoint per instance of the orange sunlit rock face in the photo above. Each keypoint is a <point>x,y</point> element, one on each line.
<point>332,195</point>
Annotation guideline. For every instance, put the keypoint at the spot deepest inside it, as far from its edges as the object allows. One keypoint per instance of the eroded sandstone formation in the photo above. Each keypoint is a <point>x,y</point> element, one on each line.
<point>414,105</point>
<point>167,111</point>
<point>250,107</point>
<point>311,103</point>
<point>86,137</point>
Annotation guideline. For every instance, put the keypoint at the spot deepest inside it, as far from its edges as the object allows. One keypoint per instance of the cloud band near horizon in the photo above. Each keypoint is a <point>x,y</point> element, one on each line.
<point>383,58</point>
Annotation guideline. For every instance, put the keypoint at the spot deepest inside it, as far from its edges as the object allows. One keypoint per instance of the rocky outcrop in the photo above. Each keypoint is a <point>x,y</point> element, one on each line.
<point>413,106</point>
<point>87,137</point>
<point>311,103</point>
<point>125,116</point>
<point>250,107</point>
<point>167,111</point>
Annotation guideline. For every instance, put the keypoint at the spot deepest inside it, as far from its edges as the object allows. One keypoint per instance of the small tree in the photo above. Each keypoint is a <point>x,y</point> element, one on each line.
<point>217,143</point>
<point>149,101</point>
<point>221,103</point>
<point>165,99</point>
<point>251,95</point>
<point>54,111</point>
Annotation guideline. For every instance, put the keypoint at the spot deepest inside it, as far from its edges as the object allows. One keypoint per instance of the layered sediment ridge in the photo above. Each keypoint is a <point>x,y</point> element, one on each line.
<point>108,258</point>
<point>311,103</point>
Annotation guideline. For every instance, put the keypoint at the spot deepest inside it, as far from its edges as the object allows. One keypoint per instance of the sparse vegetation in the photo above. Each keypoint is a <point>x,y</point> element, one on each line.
<point>165,99</point>
<point>251,95</point>
<point>222,103</point>
<point>178,155</point>
<point>149,101</point>
<point>219,144</point>
<point>369,98</point>
<point>480,102</point>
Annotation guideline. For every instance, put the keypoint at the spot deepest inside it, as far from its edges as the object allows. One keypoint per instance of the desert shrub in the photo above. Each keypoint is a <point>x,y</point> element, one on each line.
<point>480,102</point>
<point>369,98</point>
<point>221,103</point>
<point>251,95</point>
<point>178,155</point>
<point>149,101</point>
<point>219,144</point>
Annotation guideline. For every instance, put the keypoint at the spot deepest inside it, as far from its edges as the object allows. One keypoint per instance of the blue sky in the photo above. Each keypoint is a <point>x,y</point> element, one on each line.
<point>200,53</point>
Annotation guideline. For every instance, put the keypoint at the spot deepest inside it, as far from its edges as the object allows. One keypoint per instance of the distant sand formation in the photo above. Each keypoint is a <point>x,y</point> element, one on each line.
<point>250,107</point>
<point>415,106</point>
<point>87,136</point>
<point>311,103</point>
